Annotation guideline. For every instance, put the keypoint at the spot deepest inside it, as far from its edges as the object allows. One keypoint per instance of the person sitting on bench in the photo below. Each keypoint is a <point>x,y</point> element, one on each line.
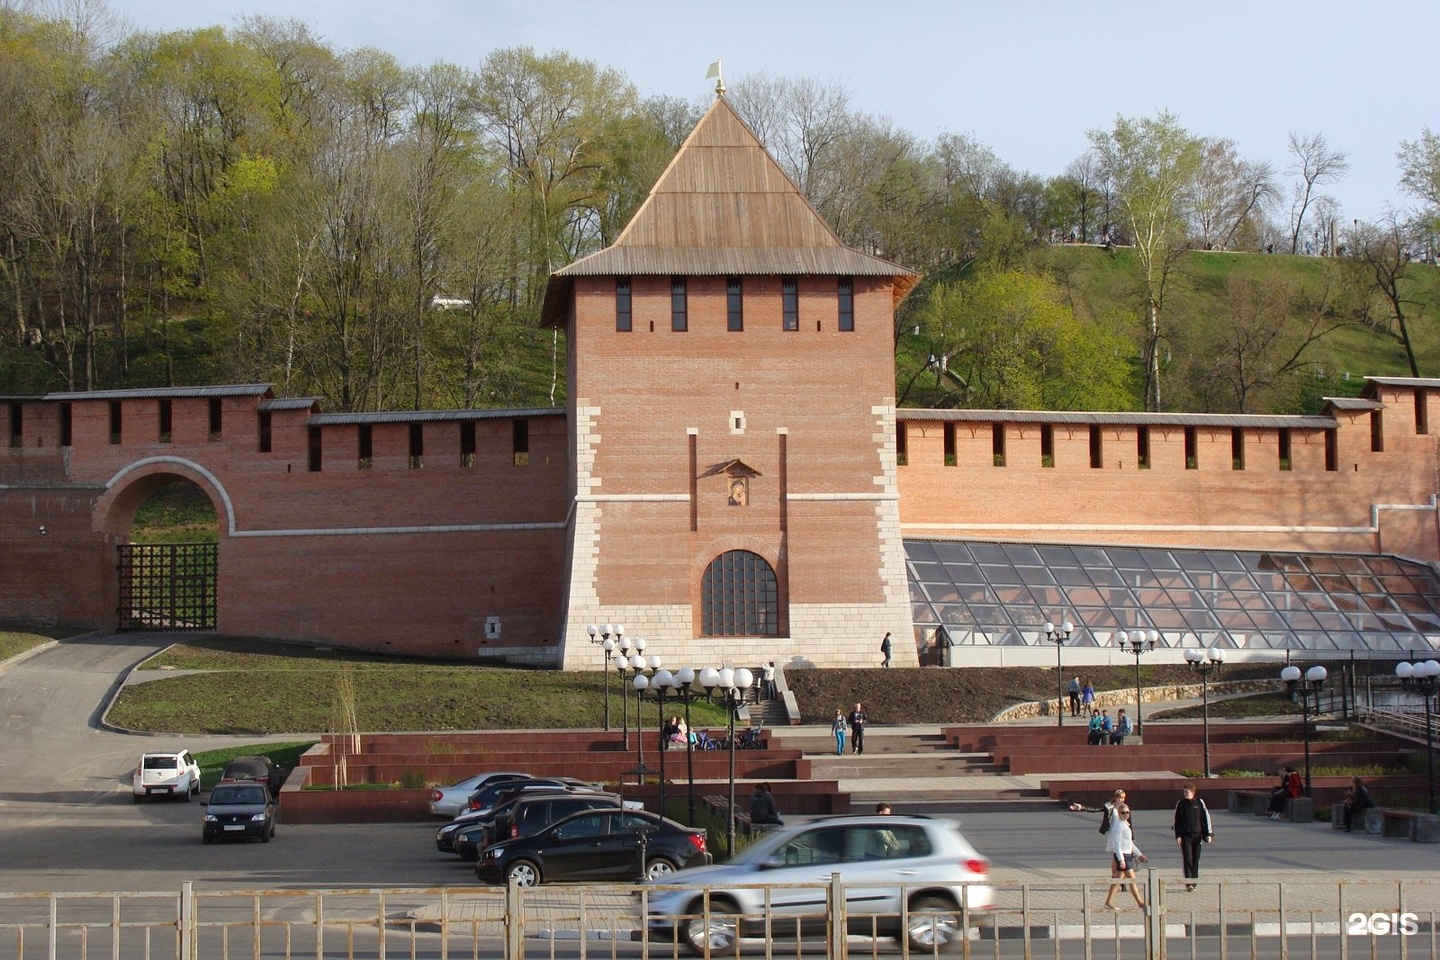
<point>1122,729</point>
<point>1357,800</point>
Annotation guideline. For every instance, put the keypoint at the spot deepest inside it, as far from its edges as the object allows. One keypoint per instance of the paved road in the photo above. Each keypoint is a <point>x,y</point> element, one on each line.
<point>67,821</point>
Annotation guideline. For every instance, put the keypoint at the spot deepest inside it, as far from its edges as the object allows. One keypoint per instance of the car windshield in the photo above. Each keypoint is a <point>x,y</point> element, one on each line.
<point>237,795</point>
<point>161,763</point>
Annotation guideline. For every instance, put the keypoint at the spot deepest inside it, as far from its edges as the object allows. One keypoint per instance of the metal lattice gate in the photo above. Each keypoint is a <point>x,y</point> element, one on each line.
<point>167,587</point>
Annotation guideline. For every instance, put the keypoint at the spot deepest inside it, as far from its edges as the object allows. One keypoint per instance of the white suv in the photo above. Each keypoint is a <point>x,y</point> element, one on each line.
<point>166,775</point>
<point>912,877</point>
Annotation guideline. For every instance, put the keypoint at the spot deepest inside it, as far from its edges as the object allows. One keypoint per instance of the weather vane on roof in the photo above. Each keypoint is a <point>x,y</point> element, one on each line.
<point>715,74</point>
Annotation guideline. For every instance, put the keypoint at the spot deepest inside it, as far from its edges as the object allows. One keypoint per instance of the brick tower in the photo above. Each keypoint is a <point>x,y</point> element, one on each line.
<point>732,410</point>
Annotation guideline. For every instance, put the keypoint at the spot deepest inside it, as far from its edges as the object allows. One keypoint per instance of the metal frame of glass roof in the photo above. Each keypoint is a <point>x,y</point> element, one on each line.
<point>1000,594</point>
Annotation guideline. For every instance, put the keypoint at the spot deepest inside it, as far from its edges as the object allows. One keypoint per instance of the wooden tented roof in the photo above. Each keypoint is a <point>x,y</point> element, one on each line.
<point>723,207</point>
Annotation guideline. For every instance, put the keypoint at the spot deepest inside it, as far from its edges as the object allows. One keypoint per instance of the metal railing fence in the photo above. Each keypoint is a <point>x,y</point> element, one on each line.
<point>1294,915</point>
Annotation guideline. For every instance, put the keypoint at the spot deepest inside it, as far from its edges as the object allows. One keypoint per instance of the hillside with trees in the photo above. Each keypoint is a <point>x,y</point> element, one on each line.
<point>253,205</point>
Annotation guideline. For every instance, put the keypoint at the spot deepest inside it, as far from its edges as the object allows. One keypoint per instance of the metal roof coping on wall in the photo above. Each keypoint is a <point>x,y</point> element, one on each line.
<point>1226,420</point>
<point>290,403</point>
<point>430,416</point>
<point>1353,403</point>
<point>1404,381</point>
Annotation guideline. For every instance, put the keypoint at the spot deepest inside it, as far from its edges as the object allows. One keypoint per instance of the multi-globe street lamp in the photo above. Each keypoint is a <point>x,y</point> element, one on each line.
<point>601,635</point>
<point>623,662</point>
<point>660,684</point>
<point>1205,664</point>
<point>1424,679</point>
<point>731,686</point>
<point>1058,637</point>
<point>1304,685</point>
<point>1138,642</point>
<point>680,685</point>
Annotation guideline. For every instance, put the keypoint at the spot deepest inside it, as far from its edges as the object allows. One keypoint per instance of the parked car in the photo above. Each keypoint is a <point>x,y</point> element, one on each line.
<point>902,876</point>
<point>257,769</point>
<point>239,810</point>
<point>524,815</point>
<point>448,801</point>
<point>491,797</point>
<point>485,797</point>
<point>165,775</point>
<point>595,845</point>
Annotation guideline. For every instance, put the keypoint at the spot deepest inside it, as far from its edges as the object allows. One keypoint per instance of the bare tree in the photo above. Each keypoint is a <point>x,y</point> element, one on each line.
<point>1228,191</point>
<point>1315,164</point>
<point>1381,251</point>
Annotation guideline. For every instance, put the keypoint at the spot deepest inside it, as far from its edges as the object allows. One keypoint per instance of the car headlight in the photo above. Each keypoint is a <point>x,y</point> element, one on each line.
<point>257,817</point>
<point>494,853</point>
<point>211,818</point>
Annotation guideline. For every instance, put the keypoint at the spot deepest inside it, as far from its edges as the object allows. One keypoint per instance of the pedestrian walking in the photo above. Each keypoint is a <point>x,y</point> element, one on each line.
<point>1087,695</point>
<point>767,673</point>
<point>1193,829</point>
<point>1120,842</point>
<point>837,727</point>
<point>1074,692</point>
<point>885,651</point>
<point>857,729</point>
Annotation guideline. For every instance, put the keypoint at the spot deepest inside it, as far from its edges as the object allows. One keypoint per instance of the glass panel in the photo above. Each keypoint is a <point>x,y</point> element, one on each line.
<point>989,553</point>
<point>1048,597</point>
<point>949,550</point>
<point>1107,577</point>
<point>920,550</point>
<point>1199,620</point>
<point>1128,559</point>
<point>1057,556</point>
<point>940,592</point>
<point>1071,576</point>
<point>1159,559</point>
<point>1151,597</point>
<point>922,613</point>
<point>1084,597</point>
<point>929,572</point>
<point>1035,575</point>
<point>1019,553</point>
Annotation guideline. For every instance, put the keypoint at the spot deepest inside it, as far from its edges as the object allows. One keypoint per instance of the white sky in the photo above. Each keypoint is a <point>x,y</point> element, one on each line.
<point>1027,78</point>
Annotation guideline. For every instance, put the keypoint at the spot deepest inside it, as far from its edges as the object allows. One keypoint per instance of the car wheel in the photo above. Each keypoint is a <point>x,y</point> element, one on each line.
<point>713,934</point>
<point>523,873</point>
<point>186,796</point>
<point>266,834</point>
<point>932,925</point>
<point>206,839</point>
<point>659,868</point>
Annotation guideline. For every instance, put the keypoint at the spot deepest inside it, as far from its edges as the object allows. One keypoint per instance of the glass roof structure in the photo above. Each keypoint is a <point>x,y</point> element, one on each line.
<point>1000,594</point>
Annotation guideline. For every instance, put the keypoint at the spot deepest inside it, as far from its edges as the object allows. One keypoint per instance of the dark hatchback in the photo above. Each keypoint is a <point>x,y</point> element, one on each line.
<point>494,796</point>
<point>595,845</point>
<point>254,769</point>
<point>239,811</point>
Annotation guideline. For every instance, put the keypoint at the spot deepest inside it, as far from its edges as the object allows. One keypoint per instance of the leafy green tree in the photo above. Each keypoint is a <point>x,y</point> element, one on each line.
<point>1153,162</point>
<point>1420,172</point>
<point>1006,340</point>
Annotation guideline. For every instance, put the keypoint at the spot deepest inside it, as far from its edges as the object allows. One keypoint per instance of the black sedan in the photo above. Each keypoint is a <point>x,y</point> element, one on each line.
<point>595,845</point>
<point>239,810</point>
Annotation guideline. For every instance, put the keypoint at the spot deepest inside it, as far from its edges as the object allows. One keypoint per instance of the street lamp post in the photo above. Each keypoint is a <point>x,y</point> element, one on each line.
<point>639,664</point>
<point>607,647</point>
<point>622,663</point>
<point>1211,661</point>
<point>731,684</point>
<point>662,684</point>
<point>1424,679</point>
<point>681,687</point>
<point>1310,682</point>
<point>1058,637</point>
<point>1138,642</point>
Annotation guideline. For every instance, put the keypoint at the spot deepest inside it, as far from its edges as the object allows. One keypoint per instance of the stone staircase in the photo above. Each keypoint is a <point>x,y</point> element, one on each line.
<point>914,773</point>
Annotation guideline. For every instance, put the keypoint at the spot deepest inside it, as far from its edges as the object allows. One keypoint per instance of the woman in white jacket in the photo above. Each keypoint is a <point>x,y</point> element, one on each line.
<point>1120,842</point>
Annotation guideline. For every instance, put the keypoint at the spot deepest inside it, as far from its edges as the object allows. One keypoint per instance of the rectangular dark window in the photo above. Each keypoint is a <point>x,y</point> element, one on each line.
<point>950,457</point>
<point>215,412</point>
<point>265,441</point>
<point>734,305</point>
<point>1284,448</point>
<point>17,425</point>
<point>901,455</point>
<point>1332,452</point>
<point>314,446</point>
<point>622,305</point>
<point>1422,410</point>
<point>1192,449</point>
<point>679,321</point>
<point>67,424</point>
<point>997,444</point>
<point>1047,445</point>
<point>417,446</point>
<point>790,302</point>
<point>1377,432</point>
<point>1097,448</point>
<point>467,443</point>
<point>1237,448</point>
<point>115,421</point>
<point>845,290</point>
<point>1142,447</point>
<point>366,444</point>
<point>520,442</point>
<point>165,421</point>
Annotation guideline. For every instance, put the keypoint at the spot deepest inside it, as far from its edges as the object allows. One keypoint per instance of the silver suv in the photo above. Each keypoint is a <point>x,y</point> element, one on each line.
<point>902,876</point>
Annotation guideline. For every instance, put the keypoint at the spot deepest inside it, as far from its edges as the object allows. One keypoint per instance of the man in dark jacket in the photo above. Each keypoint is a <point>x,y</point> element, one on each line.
<point>1357,801</point>
<point>1192,828</point>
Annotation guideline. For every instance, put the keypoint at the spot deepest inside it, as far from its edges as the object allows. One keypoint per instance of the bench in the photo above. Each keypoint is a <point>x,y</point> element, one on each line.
<point>1404,824</point>
<point>1248,801</point>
